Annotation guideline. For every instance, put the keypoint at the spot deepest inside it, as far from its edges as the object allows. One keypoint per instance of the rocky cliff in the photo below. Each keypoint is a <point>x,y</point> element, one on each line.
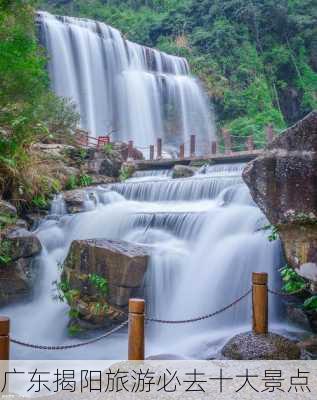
<point>283,182</point>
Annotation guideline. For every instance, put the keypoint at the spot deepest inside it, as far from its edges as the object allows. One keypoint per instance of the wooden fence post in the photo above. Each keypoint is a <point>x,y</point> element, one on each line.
<point>250,143</point>
<point>136,329</point>
<point>130,148</point>
<point>192,145</point>
<point>159,148</point>
<point>214,147</point>
<point>151,152</point>
<point>4,338</point>
<point>227,140</point>
<point>181,151</point>
<point>259,302</point>
<point>269,133</point>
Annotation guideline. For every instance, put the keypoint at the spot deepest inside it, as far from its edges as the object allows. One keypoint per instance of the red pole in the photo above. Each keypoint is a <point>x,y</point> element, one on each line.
<point>159,148</point>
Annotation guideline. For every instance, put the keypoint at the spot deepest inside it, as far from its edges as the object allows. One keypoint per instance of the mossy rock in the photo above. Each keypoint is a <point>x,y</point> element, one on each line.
<point>251,346</point>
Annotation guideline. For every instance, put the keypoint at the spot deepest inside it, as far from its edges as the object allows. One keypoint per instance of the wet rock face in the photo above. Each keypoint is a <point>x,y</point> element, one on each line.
<point>117,265</point>
<point>7,208</point>
<point>19,272</point>
<point>283,182</point>
<point>182,171</point>
<point>250,346</point>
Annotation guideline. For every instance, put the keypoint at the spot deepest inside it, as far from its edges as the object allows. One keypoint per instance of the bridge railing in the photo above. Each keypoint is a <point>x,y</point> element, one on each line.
<point>193,147</point>
<point>229,143</point>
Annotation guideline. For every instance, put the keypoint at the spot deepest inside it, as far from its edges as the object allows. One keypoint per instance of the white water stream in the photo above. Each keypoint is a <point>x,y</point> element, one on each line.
<point>207,241</point>
<point>138,92</point>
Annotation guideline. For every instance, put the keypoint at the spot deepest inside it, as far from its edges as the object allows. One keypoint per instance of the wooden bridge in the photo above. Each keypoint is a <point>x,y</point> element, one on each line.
<point>231,150</point>
<point>167,163</point>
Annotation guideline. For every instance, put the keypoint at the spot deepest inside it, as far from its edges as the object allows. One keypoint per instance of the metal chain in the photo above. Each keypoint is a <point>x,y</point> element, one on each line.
<point>184,321</point>
<point>71,346</point>
<point>282,294</point>
<point>117,328</point>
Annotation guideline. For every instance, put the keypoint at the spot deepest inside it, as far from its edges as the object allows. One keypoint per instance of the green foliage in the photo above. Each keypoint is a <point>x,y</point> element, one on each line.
<point>257,59</point>
<point>108,149</point>
<point>100,283</point>
<point>292,282</point>
<point>273,232</point>
<point>5,252</point>
<point>71,182</point>
<point>29,112</point>
<point>39,201</point>
<point>125,173</point>
<point>72,313</point>
<point>85,180</point>
<point>74,329</point>
<point>64,292</point>
<point>6,220</point>
<point>310,304</point>
<point>82,180</point>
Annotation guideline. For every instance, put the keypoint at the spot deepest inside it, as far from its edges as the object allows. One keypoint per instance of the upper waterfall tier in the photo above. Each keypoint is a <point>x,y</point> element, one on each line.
<point>138,92</point>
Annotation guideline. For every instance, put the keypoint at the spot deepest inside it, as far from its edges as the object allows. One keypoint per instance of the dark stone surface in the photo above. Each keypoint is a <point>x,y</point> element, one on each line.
<point>283,182</point>
<point>7,208</point>
<point>249,346</point>
<point>121,263</point>
<point>182,171</point>
<point>23,244</point>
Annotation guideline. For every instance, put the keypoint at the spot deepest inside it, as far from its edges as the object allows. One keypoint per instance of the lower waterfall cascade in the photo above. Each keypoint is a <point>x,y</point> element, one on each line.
<point>137,92</point>
<point>204,231</point>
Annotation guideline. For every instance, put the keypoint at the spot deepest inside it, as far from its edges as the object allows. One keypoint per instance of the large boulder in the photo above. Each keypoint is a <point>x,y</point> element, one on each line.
<point>7,209</point>
<point>251,346</point>
<point>118,266</point>
<point>182,171</point>
<point>23,244</point>
<point>18,267</point>
<point>282,181</point>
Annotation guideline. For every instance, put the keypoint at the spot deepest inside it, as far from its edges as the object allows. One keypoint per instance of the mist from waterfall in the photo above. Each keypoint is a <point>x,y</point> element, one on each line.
<point>138,92</point>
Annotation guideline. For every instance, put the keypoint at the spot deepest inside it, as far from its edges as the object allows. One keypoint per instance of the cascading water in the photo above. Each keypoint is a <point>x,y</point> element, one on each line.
<point>139,92</point>
<point>203,252</point>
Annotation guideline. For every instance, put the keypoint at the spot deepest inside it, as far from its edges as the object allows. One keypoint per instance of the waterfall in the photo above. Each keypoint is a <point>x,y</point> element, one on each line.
<point>204,250</point>
<point>138,92</point>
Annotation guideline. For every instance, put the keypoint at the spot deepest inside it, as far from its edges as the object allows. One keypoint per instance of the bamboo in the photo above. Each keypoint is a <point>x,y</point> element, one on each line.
<point>136,329</point>
<point>260,302</point>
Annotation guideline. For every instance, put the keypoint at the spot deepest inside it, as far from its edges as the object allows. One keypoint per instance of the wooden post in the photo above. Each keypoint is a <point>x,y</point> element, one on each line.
<point>227,140</point>
<point>159,148</point>
<point>192,145</point>
<point>181,151</point>
<point>4,338</point>
<point>136,329</point>
<point>269,133</point>
<point>259,302</point>
<point>214,147</point>
<point>250,143</point>
<point>151,152</point>
<point>130,148</point>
